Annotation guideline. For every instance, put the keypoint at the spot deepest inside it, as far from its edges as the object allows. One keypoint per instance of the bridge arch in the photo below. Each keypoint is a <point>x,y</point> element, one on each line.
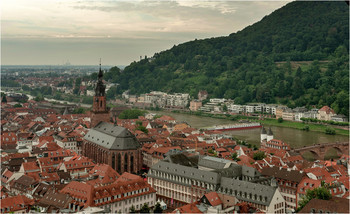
<point>314,153</point>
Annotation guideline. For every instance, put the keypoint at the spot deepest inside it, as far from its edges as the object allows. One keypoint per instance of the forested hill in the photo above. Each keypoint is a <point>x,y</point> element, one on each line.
<point>297,55</point>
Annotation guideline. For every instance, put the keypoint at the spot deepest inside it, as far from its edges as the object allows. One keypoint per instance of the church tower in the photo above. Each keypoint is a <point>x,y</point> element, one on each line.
<point>100,111</point>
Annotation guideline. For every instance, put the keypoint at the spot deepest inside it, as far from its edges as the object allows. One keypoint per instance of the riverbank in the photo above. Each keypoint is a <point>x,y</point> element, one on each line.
<point>302,126</point>
<point>272,122</point>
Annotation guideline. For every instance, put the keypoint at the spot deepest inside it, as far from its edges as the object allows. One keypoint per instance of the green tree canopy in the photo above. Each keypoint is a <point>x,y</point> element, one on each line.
<point>143,129</point>
<point>17,105</point>
<point>319,193</point>
<point>145,209</point>
<point>132,209</point>
<point>259,155</point>
<point>131,114</point>
<point>157,208</point>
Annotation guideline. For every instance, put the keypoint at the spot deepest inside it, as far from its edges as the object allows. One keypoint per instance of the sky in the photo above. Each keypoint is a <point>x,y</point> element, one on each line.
<point>52,32</point>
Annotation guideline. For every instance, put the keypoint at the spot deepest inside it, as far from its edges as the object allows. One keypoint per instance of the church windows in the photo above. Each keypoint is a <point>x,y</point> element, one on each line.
<point>113,161</point>
<point>125,163</point>
<point>119,163</point>
<point>132,163</point>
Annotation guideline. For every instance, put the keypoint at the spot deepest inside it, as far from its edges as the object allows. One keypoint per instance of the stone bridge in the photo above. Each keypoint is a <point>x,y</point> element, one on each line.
<point>319,150</point>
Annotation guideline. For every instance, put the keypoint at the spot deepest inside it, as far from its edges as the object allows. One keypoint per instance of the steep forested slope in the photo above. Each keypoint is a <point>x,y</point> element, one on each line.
<point>258,64</point>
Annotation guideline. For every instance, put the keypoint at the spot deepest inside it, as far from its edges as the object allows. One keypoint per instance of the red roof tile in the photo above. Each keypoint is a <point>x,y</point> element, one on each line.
<point>15,203</point>
<point>213,198</point>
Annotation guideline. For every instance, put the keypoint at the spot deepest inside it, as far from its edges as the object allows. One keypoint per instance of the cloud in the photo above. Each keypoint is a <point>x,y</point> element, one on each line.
<point>165,22</point>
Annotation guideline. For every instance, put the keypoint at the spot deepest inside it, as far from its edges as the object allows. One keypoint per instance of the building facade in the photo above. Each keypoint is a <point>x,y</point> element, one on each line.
<point>179,180</point>
<point>115,146</point>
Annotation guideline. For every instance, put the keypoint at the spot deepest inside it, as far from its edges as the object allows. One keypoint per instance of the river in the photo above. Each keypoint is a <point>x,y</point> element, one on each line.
<point>51,100</point>
<point>294,137</point>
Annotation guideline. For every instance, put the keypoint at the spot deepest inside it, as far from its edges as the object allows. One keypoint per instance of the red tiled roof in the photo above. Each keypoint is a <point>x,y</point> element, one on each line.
<point>105,172</point>
<point>128,177</point>
<point>15,203</point>
<point>6,175</point>
<point>213,198</point>
<point>307,183</point>
<point>189,208</point>
<point>46,138</point>
<point>80,162</point>
<point>8,138</point>
<point>91,194</point>
<point>166,118</point>
<point>246,160</point>
<point>327,109</point>
<point>30,166</point>
<point>294,158</point>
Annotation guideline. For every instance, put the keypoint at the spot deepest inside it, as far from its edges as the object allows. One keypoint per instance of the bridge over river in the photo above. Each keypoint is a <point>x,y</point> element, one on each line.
<point>319,150</point>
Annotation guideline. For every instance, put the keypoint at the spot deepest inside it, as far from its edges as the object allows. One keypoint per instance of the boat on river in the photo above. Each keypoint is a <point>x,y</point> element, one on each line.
<point>237,126</point>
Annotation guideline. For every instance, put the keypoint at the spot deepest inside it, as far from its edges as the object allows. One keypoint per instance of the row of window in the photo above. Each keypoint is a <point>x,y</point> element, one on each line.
<point>279,205</point>
<point>7,139</point>
<point>244,194</point>
<point>289,199</point>
<point>182,179</point>
<point>125,194</point>
<point>280,211</point>
<point>288,191</point>
<point>136,192</point>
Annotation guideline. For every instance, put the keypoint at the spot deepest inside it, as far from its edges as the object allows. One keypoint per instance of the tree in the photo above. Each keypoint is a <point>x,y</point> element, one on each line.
<point>76,90</point>
<point>259,155</point>
<point>157,208</point>
<point>39,98</point>
<point>17,105</point>
<point>235,157</point>
<point>306,128</point>
<point>319,193</point>
<point>132,209</point>
<point>224,108</point>
<point>145,208</point>
<point>280,120</point>
<point>143,129</point>
<point>4,100</point>
<point>330,131</point>
<point>131,114</point>
<point>79,110</point>
<point>26,88</point>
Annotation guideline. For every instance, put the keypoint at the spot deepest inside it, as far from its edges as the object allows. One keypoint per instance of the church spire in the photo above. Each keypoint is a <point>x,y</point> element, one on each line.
<point>100,73</point>
<point>100,87</point>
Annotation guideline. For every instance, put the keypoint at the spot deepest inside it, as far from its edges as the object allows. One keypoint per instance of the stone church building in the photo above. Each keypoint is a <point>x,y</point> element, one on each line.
<point>108,143</point>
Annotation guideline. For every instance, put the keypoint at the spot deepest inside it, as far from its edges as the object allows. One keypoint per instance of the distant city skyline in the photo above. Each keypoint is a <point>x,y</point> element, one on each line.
<point>119,32</point>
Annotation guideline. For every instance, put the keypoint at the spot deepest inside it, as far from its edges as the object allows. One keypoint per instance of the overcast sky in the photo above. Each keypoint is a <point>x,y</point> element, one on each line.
<point>51,32</point>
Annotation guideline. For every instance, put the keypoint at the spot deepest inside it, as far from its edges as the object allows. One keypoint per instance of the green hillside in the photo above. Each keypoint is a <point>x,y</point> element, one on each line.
<point>297,55</point>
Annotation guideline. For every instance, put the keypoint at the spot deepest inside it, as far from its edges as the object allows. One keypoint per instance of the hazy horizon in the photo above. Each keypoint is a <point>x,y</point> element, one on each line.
<point>119,32</point>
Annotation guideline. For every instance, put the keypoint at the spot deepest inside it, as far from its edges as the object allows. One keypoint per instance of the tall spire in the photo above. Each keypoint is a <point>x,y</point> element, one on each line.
<point>100,73</point>
<point>269,132</point>
<point>100,87</point>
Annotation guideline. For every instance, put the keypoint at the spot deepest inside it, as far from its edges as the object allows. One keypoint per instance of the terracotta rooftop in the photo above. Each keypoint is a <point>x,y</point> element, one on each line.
<point>189,208</point>
<point>334,205</point>
<point>327,109</point>
<point>15,203</point>
<point>213,198</point>
<point>281,173</point>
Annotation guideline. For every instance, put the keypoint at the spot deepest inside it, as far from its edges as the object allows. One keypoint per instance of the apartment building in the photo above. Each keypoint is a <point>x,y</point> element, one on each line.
<point>288,181</point>
<point>180,179</point>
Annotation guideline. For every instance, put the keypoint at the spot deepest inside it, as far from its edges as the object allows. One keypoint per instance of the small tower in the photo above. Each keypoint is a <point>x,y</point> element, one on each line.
<point>99,112</point>
<point>263,134</point>
<point>269,135</point>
